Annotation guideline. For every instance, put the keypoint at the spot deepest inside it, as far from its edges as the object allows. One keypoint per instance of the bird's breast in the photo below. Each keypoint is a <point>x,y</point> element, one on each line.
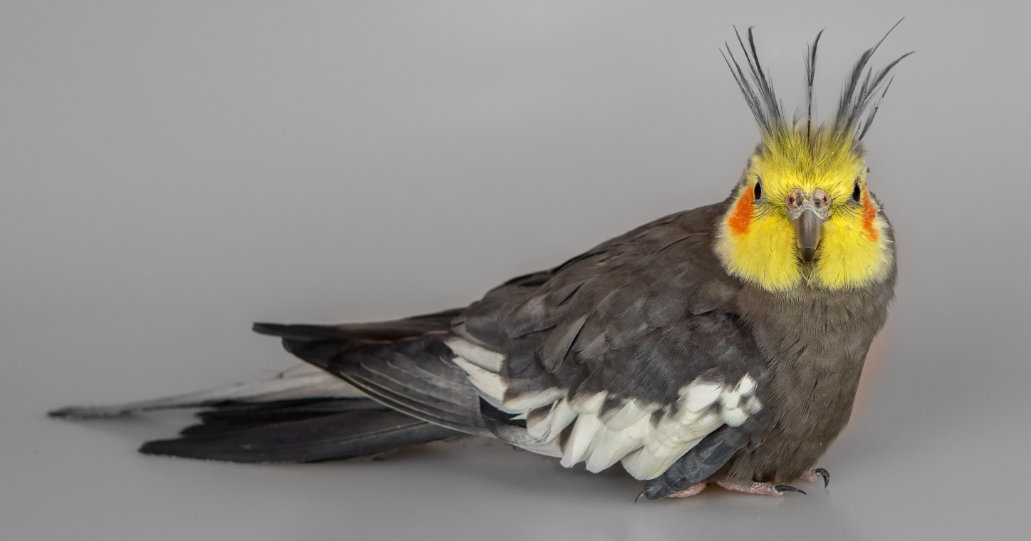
<point>815,346</point>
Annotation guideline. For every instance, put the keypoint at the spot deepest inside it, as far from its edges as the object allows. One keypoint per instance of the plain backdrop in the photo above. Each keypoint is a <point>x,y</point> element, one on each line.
<point>172,171</point>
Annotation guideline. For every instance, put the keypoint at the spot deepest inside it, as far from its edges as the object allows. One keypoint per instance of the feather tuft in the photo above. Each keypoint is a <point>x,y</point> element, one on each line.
<point>865,86</point>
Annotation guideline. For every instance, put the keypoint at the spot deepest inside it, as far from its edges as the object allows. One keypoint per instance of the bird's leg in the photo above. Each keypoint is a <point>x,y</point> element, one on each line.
<point>813,475</point>
<point>689,491</point>
<point>755,487</point>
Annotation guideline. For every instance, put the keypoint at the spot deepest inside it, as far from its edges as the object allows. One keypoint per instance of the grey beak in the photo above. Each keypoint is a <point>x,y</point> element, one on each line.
<point>808,212</point>
<point>807,232</point>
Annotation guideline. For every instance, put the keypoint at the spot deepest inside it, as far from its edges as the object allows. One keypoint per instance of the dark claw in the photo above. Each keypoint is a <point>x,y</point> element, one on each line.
<point>787,488</point>
<point>825,474</point>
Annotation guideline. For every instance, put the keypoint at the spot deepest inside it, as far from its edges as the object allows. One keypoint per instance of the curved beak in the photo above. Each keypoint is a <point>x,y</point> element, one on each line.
<point>808,212</point>
<point>808,225</point>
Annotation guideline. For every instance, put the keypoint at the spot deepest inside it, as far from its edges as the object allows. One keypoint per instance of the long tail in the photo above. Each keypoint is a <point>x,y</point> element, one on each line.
<point>299,382</point>
<point>297,431</point>
<point>302,415</point>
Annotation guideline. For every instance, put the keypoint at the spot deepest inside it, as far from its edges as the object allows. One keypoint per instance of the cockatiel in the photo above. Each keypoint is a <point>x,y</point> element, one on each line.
<point>718,345</point>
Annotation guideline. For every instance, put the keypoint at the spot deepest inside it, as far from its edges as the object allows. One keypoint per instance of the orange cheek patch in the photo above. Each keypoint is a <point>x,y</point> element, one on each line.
<point>741,217</point>
<point>869,214</point>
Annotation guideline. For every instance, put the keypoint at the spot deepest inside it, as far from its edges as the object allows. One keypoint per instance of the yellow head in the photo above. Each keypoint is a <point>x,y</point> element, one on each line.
<point>802,214</point>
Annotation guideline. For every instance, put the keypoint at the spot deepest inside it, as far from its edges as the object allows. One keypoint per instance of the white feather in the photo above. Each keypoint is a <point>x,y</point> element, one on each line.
<point>564,416</point>
<point>735,416</point>
<point>580,439</point>
<point>752,405</point>
<point>699,395</point>
<point>549,427</point>
<point>589,404</point>
<point>746,386</point>
<point>616,444</point>
<point>643,464</point>
<point>729,399</point>
<point>531,401</point>
<point>627,435</point>
<point>478,355</point>
<point>490,384</point>
<point>626,416</point>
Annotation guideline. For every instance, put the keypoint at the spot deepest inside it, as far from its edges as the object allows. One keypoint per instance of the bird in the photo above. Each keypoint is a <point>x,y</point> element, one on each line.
<point>721,345</point>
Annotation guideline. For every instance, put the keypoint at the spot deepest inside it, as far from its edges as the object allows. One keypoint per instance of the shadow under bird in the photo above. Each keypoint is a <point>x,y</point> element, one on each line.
<point>720,345</point>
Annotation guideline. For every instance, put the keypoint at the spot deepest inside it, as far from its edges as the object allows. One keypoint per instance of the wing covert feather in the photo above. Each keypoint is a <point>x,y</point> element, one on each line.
<point>631,333</point>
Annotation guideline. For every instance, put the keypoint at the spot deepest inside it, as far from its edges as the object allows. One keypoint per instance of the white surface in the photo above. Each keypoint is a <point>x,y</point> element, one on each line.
<point>173,171</point>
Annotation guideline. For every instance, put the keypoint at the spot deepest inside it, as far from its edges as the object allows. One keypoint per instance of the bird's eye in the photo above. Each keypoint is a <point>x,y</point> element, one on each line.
<point>758,188</point>
<point>856,192</point>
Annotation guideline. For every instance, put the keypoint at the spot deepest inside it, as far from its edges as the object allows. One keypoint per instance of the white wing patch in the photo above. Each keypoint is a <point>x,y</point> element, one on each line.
<point>478,355</point>
<point>646,442</point>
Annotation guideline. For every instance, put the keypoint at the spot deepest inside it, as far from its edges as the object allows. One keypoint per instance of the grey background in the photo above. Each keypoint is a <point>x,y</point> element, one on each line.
<point>173,171</point>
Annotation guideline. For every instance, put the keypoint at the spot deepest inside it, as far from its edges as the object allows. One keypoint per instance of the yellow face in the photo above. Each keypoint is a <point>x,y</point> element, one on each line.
<point>803,216</point>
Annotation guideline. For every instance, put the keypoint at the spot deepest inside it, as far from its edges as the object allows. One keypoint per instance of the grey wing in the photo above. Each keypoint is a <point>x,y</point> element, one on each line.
<point>406,366</point>
<point>630,353</point>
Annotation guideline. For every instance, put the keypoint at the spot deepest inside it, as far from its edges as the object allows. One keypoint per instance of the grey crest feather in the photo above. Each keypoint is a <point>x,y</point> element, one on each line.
<point>863,87</point>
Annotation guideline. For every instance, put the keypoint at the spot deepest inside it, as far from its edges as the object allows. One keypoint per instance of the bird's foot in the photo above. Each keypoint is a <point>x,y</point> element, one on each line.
<point>689,491</point>
<point>815,475</point>
<point>753,487</point>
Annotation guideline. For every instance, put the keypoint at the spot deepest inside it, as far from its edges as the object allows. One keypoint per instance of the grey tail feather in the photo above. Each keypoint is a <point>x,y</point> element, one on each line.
<point>301,381</point>
<point>365,332</point>
<point>304,414</point>
<point>297,431</point>
<point>411,372</point>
